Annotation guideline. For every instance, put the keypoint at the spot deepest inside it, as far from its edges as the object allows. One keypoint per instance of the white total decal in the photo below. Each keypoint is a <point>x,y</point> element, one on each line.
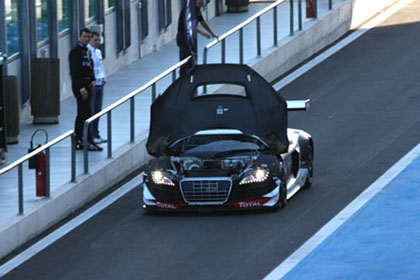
<point>249,204</point>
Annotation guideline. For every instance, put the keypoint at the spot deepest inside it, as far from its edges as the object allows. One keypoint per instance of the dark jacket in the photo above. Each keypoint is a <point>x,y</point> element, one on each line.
<point>181,38</point>
<point>81,68</point>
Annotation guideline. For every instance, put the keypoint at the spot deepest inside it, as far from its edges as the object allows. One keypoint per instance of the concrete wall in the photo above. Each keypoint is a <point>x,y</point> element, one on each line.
<point>291,51</point>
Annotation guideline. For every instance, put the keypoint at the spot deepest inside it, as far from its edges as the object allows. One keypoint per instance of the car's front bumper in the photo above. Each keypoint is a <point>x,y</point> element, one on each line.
<point>266,200</point>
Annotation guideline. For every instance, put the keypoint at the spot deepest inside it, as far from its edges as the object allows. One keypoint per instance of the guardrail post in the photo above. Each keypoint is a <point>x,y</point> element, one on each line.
<point>205,55</point>
<point>291,18</point>
<point>47,173</point>
<point>330,5</point>
<point>85,148</point>
<point>132,115</point>
<point>173,76</point>
<point>241,46</point>
<point>73,158</point>
<point>300,14</point>
<point>109,127</point>
<point>223,51</point>
<point>153,92</point>
<point>258,36</point>
<point>275,26</point>
<point>20,190</point>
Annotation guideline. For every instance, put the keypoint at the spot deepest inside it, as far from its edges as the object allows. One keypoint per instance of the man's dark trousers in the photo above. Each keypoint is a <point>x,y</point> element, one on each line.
<point>83,113</point>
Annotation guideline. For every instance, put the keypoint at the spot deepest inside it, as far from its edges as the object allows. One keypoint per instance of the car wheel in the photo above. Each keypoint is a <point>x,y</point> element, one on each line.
<point>310,167</point>
<point>3,157</point>
<point>283,196</point>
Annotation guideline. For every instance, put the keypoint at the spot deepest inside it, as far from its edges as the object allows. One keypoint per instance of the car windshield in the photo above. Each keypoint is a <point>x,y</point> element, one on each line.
<point>215,145</point>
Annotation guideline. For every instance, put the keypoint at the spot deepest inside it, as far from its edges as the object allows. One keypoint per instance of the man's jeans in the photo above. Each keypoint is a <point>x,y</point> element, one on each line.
<point>96,106</point>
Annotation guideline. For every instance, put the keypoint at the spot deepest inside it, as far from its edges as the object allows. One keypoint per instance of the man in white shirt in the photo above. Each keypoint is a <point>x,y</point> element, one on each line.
<point>97,93</point>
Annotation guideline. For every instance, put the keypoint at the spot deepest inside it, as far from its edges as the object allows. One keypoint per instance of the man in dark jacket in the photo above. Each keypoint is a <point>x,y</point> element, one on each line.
<point>187,43</point>
<point>83,81</point>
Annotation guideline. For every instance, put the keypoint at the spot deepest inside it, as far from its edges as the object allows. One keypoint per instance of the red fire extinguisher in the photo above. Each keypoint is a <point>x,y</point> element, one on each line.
<point>41,179</point>
<point>310,8</point>
<point>38,162</point>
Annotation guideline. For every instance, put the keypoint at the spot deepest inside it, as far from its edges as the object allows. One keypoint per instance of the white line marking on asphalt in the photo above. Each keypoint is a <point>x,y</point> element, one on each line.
<point>303,251</point>
<point>337,47</point>
<point>69,226</point>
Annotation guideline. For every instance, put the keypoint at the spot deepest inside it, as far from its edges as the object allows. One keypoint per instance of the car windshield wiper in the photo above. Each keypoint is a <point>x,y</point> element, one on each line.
<point>230,152</point>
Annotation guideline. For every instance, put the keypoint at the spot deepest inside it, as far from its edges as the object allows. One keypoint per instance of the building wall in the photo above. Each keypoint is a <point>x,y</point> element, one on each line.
<point>113,61</point>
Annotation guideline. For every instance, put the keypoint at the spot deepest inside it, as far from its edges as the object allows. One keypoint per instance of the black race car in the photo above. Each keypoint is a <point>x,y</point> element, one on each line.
<point>220,139</point>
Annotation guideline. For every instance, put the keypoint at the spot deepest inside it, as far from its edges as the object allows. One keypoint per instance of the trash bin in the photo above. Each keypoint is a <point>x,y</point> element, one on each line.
<point>45,90</point>
<point>3,144</point>
<point>237,6</point>
<point>11,99</point>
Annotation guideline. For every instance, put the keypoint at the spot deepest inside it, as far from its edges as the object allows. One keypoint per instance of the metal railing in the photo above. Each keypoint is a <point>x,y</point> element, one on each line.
<point>108,111</point>
<point>257,17</point>
<point>19,163</point>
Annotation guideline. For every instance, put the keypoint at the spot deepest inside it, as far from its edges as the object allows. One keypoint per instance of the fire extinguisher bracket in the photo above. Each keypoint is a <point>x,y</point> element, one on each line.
<point>33,161</point>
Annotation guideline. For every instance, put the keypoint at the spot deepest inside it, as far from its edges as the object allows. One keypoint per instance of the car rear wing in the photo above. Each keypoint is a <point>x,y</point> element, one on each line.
<point>298,105</point>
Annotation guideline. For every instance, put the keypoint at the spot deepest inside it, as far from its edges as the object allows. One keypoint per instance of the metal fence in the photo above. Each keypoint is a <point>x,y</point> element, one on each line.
<point>19,164</point>
<point>129,97</point>
<point>257,18</point>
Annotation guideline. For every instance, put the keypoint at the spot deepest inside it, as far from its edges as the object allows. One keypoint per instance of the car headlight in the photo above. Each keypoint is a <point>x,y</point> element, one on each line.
<point>160,178</point>
<point>255,176</point>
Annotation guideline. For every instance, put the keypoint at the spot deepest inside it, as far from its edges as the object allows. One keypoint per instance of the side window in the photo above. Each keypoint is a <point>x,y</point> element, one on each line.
<point>164,13</point>
<point>90,9</point>
<point>123,24</point>
<point>225,89</point>
<point>41,20</point>
<point>12,27</point>
<point>144,19</point>
<point>109,4</point>
<point>63,15</point>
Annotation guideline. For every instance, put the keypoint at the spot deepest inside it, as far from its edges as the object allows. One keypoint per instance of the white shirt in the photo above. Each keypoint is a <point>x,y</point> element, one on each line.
<point>98,67</point>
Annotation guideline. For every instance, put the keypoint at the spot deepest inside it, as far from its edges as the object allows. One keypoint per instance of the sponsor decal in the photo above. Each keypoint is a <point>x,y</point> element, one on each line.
<point>165,205</point>
<point>221,110</point>
<point>251,203</point>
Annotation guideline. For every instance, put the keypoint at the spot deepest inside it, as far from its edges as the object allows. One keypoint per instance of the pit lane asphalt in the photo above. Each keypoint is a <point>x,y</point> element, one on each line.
<point>364,117</point>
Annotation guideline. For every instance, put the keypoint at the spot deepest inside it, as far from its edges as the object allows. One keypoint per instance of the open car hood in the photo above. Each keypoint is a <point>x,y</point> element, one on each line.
<point>177,113</point>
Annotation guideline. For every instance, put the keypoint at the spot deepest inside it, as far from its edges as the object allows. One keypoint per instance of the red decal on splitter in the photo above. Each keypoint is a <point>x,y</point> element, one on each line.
<point>165,205</point>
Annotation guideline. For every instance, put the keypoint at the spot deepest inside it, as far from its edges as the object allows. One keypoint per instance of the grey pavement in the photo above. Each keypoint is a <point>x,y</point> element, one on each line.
<point>120,84</point>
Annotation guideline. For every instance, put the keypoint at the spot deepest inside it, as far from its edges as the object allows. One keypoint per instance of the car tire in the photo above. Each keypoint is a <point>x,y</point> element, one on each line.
<point>310,167</point>
<point>3,157</point>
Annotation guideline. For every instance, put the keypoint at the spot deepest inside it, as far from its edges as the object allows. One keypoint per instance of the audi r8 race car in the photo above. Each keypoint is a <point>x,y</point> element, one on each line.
<point>224,148</point>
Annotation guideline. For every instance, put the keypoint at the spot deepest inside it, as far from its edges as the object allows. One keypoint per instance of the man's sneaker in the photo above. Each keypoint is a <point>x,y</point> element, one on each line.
<point>93,147</point>
<point>79,145</point>
<point>99,140</point>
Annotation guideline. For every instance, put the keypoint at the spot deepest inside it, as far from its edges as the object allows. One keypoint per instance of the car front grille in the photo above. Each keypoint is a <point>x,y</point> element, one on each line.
<point>206,191</point>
